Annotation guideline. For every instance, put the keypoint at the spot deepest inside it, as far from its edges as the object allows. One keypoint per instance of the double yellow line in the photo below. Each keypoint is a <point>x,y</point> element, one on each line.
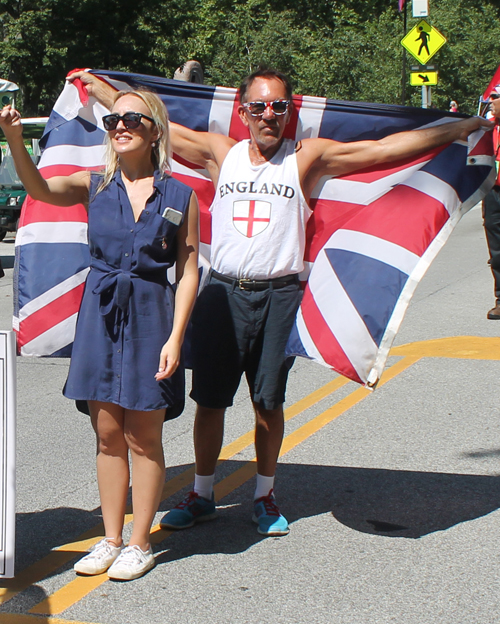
<point>80,586</point>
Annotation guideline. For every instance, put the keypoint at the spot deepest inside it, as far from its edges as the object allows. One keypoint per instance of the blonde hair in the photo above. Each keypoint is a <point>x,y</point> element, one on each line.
<point>161,149</point>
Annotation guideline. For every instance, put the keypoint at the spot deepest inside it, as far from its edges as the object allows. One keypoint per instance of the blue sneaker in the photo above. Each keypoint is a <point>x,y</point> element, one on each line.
<point>268,517</point>
<point>192,509</point>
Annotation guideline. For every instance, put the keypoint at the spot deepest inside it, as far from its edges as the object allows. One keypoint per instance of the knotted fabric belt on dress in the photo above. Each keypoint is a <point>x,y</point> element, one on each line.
<point>118,283</point>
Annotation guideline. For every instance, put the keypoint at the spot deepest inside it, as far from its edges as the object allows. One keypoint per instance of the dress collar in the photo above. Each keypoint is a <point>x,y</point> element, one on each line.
<point>158,180</point>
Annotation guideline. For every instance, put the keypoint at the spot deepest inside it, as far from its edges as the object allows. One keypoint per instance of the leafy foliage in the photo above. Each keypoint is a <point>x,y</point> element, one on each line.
<point>346,49</point>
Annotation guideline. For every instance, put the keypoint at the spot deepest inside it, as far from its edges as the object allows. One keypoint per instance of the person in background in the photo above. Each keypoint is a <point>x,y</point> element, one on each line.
<point>453,107</point>
<point>491,208</point>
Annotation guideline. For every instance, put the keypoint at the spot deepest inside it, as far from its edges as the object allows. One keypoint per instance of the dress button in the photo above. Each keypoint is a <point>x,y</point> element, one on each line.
<point>119,351</point>
<point>131,231</point>
<point>147,211</point>
<point>118,376</point>
<point>126,255</point>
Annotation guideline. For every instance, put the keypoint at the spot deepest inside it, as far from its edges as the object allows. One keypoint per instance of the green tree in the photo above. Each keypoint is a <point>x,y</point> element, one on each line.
<point>28,54</point>
<point>472,54</point>
<point>346,49</point>
<point>45,39</point>
<point>351,50</point>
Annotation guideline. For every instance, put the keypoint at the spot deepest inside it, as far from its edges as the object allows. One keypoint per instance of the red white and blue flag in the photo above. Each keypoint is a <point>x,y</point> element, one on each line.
<point>495,81</point>
<point>371,238</point>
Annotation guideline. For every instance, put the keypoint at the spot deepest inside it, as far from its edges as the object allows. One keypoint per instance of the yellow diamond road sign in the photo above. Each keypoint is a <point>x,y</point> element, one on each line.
<point>423,41</point>
<point>418,79</point>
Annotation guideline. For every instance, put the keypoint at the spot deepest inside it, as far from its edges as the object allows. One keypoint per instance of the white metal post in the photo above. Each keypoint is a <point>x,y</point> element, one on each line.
<point>7,452</point>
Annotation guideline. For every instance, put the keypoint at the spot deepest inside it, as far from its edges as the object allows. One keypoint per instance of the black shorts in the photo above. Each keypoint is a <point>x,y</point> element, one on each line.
<point>236,331</point>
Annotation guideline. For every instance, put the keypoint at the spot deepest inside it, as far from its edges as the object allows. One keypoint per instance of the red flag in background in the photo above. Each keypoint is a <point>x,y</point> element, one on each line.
<point>401,4</point>
<point>493,83</point>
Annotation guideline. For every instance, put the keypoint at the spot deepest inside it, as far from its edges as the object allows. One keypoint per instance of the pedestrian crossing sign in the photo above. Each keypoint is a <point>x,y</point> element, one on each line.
<point>423,41</point>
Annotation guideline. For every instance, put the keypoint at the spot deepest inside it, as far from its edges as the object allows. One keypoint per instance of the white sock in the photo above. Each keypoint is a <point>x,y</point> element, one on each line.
<point>204,485</point>
<point>263,486</point>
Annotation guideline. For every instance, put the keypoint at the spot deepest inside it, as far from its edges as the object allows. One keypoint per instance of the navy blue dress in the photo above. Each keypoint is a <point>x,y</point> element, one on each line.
<point>127,308</point>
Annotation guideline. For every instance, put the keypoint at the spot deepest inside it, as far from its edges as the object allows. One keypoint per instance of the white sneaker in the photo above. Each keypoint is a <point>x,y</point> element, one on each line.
<point>99,559</point>
<point>132,563</point>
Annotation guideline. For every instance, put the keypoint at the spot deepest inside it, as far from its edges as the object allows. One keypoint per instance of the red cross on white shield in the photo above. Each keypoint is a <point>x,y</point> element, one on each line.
<point>251,217</point>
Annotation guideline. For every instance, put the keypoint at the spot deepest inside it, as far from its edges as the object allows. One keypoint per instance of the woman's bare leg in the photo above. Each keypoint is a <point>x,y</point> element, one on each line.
<point>112,465</point>
<point>143,436</point>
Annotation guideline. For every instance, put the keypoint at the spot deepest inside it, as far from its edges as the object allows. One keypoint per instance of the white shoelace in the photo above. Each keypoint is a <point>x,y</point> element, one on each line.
<point>133,555</point>
<point>101,550</point>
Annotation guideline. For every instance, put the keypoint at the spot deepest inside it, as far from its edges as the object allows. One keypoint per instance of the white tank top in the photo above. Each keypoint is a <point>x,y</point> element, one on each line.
<point>259,215</point>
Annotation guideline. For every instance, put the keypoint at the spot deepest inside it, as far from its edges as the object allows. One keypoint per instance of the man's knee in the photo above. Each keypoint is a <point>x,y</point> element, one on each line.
<point>210,413</point>
<point>268,415</point>
<point>491,210</point>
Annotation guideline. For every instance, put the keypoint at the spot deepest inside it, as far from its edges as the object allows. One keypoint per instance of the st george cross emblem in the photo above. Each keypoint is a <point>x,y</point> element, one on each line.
<point>251,217</point>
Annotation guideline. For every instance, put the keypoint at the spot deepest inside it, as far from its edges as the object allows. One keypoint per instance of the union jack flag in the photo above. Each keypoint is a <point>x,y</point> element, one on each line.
<point>371,238</point>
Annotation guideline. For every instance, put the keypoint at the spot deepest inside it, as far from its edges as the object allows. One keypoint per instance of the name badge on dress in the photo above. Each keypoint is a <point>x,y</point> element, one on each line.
<point>174,216</point>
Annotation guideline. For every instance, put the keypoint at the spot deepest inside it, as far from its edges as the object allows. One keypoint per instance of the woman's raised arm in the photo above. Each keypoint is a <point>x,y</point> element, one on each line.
<point>60,190</point>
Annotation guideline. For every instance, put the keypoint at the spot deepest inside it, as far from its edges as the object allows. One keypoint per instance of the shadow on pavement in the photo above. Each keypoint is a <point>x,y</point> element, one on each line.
<point>391,503</point>
<point>394,502</point>
<point>39,532</point>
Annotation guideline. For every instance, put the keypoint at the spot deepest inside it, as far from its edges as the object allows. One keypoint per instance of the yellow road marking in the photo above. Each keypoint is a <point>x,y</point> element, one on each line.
<point>21,618</point>
<point>326,417</point>
<point>70,593</point>
<point>461,347</point>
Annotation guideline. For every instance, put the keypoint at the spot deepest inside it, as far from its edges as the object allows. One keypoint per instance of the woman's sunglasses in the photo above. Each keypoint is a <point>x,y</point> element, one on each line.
<point>131,121</point>
<point>256,109</point>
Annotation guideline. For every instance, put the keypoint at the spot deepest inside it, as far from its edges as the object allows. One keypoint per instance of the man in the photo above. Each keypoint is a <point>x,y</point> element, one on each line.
<point>491,210</point>
<point>244,315</point>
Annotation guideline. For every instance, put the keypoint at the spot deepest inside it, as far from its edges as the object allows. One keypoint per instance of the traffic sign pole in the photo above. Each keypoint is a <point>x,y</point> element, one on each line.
<point>426,96</point>
<point>403,72</point>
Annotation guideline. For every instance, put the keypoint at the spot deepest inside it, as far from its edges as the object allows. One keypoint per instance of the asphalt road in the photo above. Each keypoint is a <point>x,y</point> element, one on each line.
<point>393,496</point>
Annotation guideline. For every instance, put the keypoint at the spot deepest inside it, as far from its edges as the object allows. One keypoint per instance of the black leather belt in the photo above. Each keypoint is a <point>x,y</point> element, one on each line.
<point>249,284</point>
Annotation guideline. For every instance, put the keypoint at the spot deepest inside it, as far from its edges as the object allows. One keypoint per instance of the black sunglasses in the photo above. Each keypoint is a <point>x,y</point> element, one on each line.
<point>256,109</point>
<point>494,96</point>
<point>131,121</point>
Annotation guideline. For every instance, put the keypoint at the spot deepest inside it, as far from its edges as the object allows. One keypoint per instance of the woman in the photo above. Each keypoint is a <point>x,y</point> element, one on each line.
<point>141,221</point>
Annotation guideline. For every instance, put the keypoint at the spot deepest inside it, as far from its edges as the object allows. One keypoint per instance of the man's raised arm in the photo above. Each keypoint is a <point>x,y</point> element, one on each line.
<point>325,157</point>
<point>206,149</point>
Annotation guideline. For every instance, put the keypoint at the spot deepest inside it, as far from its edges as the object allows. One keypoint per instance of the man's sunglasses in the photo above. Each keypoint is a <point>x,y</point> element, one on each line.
<point>131,121</point>
<point>256,109</point>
